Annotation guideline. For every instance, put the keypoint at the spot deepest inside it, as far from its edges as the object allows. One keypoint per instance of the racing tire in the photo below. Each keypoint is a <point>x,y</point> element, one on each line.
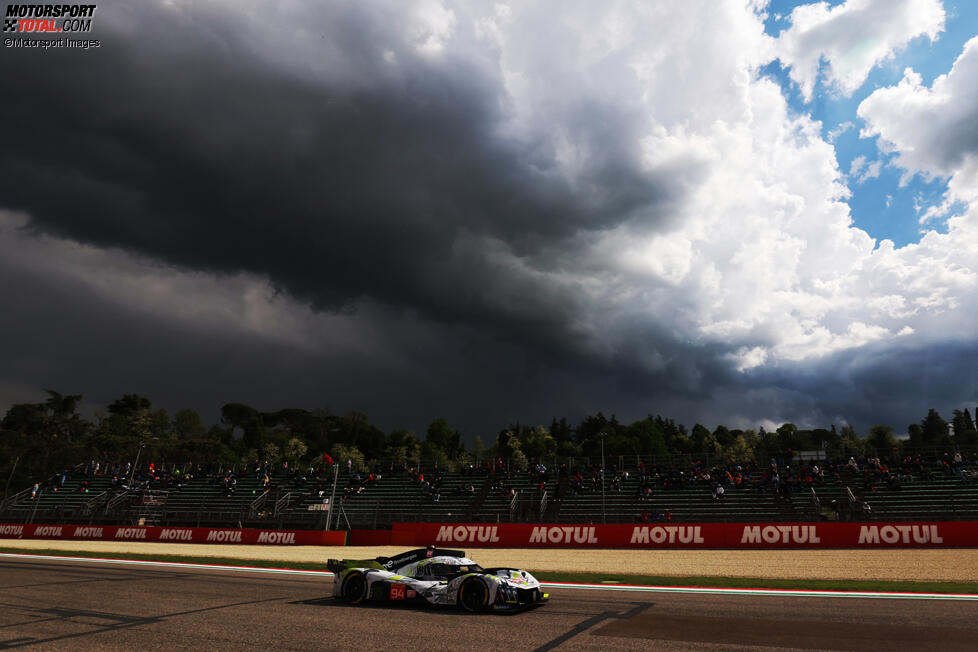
<point>473,595</point>
<point>354,588</point>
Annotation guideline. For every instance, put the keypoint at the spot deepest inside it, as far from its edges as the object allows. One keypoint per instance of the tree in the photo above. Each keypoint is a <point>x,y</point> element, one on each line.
<point>505,441</point>
<point>915,435</point>
<point>851,443</point>
<point>723,435</point>
<point>791,438</point>
<point>355,429</point>
<point>270,452</point>
<point>882,439</point>
<point>402,447</point>
<point>187,424</point>
<point>26,418</point>
<point>965,433</point>
<point>741,448</point>
<point>130,404</point>
<point>675,435</point>
<point>934,429</point>
<point>295,450</point>
<point>561,430</point>
<point>248,420</point>
<point>478,449</point>
<point>704,441</point>
<point>537,443</point>
<point>647,437</point>
<point>591,427</point>
<point>822,438</point>
<point>63,415</point>
<point>443,437</point>
<point>344,453</point>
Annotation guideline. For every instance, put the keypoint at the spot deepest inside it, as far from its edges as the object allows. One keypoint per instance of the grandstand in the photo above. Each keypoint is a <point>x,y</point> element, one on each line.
<point>573,491</point>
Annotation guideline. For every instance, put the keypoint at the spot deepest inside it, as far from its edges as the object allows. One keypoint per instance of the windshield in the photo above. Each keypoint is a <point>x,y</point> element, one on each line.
<point>446,570</point>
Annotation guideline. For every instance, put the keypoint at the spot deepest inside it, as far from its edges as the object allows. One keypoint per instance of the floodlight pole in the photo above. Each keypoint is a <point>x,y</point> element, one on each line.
<point>332,499</point>
<point>604,515</point>
<point>132,476</point>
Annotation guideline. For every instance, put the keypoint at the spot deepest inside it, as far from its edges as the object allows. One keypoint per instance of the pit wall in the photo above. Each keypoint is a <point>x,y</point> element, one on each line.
<point>963,534</point>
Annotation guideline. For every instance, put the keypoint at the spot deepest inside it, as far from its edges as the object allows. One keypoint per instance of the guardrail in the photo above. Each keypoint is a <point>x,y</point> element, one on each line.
<point>282,503</point>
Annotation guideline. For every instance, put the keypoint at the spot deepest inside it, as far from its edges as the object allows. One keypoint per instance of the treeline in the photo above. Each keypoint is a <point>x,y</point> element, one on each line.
<point>40,439</point>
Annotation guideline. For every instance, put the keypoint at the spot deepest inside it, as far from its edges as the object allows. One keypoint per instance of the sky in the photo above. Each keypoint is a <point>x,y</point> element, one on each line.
<point>725,212</point>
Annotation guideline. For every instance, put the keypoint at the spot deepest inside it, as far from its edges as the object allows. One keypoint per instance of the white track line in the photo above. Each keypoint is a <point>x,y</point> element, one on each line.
<point>550,585</point>
<point>171,564</point>
<point>807,593</point>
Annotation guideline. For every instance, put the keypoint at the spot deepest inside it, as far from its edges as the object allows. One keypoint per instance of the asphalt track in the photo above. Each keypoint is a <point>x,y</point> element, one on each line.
<point>55,604</point>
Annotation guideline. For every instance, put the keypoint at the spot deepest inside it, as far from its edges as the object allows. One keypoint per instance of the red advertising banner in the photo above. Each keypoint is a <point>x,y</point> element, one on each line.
<point>530,535</point>
<point>172,534</point>
<point>369,538</point>
<point>691,536</point>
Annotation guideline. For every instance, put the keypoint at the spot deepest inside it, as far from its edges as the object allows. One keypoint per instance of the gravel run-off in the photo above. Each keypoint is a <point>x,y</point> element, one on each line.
<point>946,564</point>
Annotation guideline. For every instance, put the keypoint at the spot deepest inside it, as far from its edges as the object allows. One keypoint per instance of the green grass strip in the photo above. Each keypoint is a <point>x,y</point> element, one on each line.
<point>888,586</point>
<point>575,578</point>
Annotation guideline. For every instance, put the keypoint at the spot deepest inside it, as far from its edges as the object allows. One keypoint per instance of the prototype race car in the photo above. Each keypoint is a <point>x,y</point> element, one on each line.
<point>442,577</point>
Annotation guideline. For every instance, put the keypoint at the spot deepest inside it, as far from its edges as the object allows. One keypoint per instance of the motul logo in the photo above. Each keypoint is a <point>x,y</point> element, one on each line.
<point>565,534</point>
<point>468,533</point>
<point>277,537</point>
<point>224,536</point>
<point>90,532</point>
<point>131,533</point>
<point>899,534</point>
<point>666,534</point>
<point>12,529</point>
<point>47,531</point>
<point>170,534</point>
<point>780,534</point>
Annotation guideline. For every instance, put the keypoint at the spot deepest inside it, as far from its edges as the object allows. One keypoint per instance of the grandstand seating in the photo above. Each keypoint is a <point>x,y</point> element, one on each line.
<point>296,503</point>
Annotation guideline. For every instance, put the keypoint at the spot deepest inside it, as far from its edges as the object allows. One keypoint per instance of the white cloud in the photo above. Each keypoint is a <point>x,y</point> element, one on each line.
<point>840,129</point>
<point>861,171</point>
<point>934,131</point>
<point>852,39</point>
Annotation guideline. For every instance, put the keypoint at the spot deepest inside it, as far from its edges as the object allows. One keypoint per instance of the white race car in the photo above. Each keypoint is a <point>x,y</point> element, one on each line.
<point>443,577</point>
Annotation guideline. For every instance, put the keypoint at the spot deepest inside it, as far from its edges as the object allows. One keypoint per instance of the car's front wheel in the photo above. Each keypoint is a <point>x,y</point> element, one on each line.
<point>473,595</point>
<point>354,588</point>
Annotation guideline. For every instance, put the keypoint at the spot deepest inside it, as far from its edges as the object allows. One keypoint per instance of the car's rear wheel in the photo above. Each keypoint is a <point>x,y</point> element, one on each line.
<point>355,587</point>
<point>473,595</point>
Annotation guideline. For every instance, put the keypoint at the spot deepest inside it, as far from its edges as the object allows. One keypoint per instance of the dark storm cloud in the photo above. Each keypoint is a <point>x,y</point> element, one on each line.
<point>212,158</point>
<point>176,141</point>
<point>349,170</point>
<point>67,336</point>
<point>883,382</point>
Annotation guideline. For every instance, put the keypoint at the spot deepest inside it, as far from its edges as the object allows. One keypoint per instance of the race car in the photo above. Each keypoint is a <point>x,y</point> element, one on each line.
<point>435,576</point>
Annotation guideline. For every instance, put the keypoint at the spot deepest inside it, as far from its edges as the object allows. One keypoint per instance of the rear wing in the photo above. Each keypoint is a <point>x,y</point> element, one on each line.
<point>391,563</point>
<point>339,565</point>
<point>411,556</point>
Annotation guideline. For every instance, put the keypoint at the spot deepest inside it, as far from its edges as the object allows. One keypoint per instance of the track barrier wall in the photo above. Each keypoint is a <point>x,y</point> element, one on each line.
<point>692,536</point>
<point>158,534</point>
<point>527,535</point>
